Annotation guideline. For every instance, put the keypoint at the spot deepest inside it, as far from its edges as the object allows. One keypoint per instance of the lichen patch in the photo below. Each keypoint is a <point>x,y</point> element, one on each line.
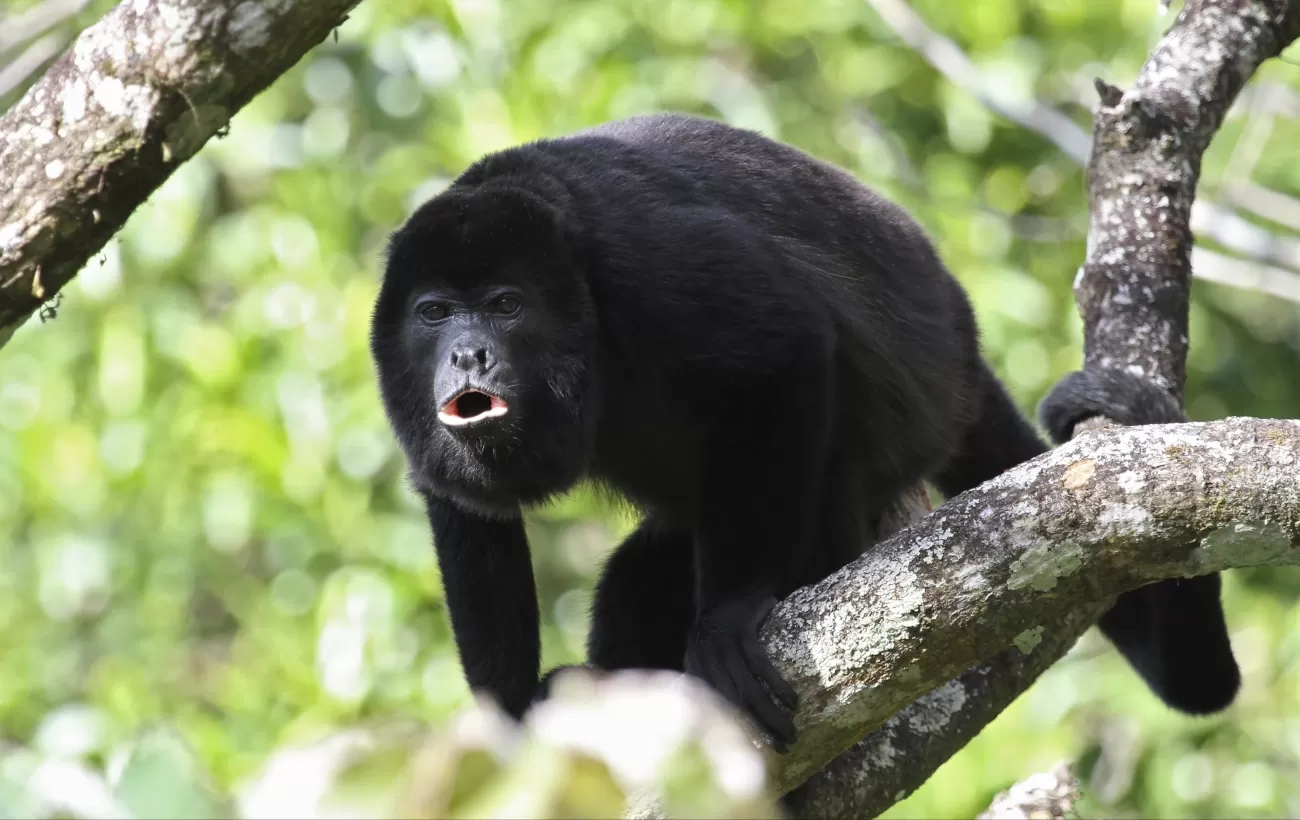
<point>1029,640</point>
<point>1079,473</point>
<point>1043,565</point>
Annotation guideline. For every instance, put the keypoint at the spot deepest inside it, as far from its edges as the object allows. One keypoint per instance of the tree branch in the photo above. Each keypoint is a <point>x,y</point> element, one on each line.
<point>138,93</point>
<point>1038,797</point>
<point>1146,161</point>
<point>899,756</point>
<point>1005,564</point>
<point>1199,67</point>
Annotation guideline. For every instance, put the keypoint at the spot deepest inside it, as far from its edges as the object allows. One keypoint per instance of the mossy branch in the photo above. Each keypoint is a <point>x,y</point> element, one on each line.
<point>137,94</point>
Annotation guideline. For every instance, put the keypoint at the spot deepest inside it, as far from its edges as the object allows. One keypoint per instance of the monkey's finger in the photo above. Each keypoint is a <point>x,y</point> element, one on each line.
<point>778,746</point>
<point>762,665</point>
<point>756,699</point>
<point>763,609</point>
<point>770,716</point>
<point>709,670</point>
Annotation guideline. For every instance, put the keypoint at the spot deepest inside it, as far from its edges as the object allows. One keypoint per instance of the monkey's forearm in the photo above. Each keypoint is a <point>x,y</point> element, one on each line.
<point>487,578</point>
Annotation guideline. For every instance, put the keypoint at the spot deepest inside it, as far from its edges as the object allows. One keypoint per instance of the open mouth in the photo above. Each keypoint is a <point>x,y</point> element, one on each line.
<point>471,407</point>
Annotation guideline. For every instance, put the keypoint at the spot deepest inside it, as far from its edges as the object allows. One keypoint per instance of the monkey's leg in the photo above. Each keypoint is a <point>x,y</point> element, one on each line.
<point>645,601</point>
<point>1000,438</point>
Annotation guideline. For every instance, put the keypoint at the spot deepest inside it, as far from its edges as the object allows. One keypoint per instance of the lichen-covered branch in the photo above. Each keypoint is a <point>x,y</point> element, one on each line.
<point>900,755</point>
<point>137,94</point>
<point>1134,287</point>
<point>1043,796</point>
<point>1010,566</point>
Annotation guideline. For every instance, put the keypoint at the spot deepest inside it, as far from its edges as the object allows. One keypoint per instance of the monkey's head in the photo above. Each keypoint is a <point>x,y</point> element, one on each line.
<point>484,337</point>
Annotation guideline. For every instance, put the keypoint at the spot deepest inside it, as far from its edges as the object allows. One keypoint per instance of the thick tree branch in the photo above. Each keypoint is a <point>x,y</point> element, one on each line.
<point>899,756</point>
<point>137,94</point>
<point>1010,566</point>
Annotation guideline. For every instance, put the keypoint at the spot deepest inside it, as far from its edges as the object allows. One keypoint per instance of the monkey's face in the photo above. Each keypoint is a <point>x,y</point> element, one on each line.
<point>484,340</point>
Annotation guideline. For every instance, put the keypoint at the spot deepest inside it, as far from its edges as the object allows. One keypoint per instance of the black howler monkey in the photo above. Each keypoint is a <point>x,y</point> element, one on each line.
<point>747,343</point>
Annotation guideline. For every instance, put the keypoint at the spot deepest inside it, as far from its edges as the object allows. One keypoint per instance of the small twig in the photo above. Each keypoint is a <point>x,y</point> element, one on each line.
<point>1246,273</point>
<point>20,28</point>
<point>1276,99</point>
<point>31,60</point>
<point>1030,227</point>
<point>1216,222</point>
<point>1050,794</point>
<point>1232,231</point>
<point>1254,136</point>
<point>1265,202</point>
<point>954,64</point>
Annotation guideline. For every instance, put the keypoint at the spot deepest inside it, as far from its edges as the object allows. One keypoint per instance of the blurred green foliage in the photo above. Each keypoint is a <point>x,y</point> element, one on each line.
<point>203,516</point>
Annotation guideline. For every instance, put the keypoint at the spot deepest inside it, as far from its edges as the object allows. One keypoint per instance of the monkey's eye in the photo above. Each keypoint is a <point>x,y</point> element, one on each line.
<point>432,311</point>
<point>506,305</point>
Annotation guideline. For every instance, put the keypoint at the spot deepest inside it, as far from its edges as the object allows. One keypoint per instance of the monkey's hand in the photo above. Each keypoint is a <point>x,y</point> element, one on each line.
<point>723,650</point>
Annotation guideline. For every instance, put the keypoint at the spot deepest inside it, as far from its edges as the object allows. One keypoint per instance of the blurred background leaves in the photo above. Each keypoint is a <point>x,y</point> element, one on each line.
<point>203,515</point>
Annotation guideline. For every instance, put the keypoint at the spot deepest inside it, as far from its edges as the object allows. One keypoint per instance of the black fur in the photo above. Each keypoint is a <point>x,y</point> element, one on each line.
<point>747,343</point>
<point>1118,395</point>
<point>1172,632</point>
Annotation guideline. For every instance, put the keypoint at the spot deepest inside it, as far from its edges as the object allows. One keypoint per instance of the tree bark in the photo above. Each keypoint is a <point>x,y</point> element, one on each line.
<point>1038,797</point>
<point>138,93</point>
<point>1133,290</point>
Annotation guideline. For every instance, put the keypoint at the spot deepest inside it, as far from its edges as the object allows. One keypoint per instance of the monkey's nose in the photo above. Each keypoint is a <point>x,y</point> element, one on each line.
<point>472,359</point>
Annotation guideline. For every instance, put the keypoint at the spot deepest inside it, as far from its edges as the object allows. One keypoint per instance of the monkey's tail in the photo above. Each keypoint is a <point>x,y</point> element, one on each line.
<point>1120,396</point>
<point>1172,632</point>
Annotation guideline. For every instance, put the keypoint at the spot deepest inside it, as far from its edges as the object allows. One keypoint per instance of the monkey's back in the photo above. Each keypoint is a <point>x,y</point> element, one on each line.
<point>906,343</point>
<point>903,317</point>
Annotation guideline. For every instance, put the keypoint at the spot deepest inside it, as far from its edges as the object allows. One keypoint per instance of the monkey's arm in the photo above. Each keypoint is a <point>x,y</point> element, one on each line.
<point>763,481</point>
<point>487,579</point>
